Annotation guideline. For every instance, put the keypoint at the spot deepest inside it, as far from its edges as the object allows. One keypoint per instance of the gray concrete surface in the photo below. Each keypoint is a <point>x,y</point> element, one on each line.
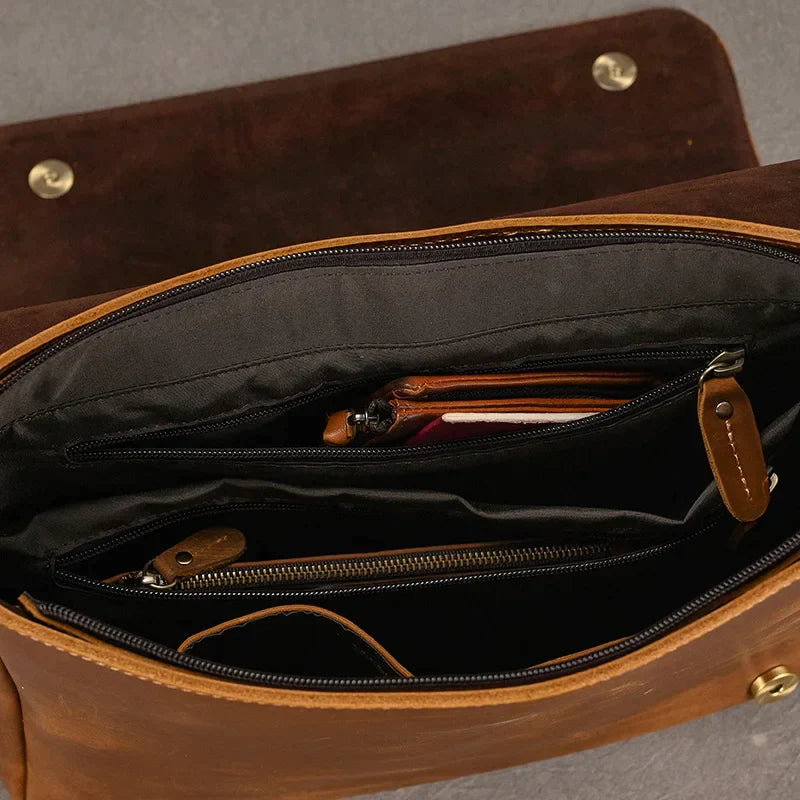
<point>77,55</point>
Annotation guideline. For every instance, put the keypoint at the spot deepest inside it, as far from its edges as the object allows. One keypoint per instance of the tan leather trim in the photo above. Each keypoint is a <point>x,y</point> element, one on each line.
<point>153,672</point>
<point>33,612</point>
<point>370,641</point>
<point>13,767</point>
<point>513,225</point>
<point>570,656</point>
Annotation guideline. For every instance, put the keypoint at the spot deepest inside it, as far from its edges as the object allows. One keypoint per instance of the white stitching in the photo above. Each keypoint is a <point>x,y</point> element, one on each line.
<point>742,476</point>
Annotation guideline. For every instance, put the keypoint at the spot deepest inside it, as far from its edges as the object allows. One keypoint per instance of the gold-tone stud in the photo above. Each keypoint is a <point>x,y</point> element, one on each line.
<point>614,72</point>
<point>773,685</point>
<point>51,178</point>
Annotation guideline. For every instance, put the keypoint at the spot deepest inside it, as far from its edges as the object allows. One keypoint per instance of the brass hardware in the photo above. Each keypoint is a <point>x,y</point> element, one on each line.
<point>727,363</point>
<point>51,178</point>
<point>773,685</point>
<point>614,72</point>
<point>184,558</point>
<point>724,410</point>
<point>392,566</point>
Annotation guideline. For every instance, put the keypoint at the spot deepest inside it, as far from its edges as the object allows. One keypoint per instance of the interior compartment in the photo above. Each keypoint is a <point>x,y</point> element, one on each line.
<point>496,621</point>
<point>501,620</point>
<point>646,455</point>
<point>300,421</point>
<point>535,299</point>
<point>109,459</point>
<point>282,530</point>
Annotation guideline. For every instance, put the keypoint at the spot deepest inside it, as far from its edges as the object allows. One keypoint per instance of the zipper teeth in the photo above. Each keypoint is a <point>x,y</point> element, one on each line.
<point>663,626</point>
<point>81,581</point>
<point>282,408</point>
<point>92,452</point>
<point>536,237</point>
<point>387,567</point>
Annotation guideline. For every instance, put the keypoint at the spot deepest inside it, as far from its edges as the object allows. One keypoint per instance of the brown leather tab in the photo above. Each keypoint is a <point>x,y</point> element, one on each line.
<point>339,431</point>
<point>733,445</point>
<point>202,551</point>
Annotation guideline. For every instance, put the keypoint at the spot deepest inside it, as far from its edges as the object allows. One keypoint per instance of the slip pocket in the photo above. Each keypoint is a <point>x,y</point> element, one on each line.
<point>296,639</point>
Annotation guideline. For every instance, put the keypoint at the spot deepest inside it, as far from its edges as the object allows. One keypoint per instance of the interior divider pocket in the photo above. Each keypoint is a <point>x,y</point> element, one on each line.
<point>645,455</point>
<point>295,640</point>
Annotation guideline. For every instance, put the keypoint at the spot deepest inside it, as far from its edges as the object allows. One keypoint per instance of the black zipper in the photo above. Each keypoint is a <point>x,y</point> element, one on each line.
<point>88,450</point>
<point>327,256</point>
<point>111,449</point>
<point>569,666</point>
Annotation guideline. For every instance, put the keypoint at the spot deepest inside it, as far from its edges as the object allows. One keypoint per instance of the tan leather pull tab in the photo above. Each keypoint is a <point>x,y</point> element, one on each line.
<point>733,445</point>
<point>340,429</point>
<point>205,550</point>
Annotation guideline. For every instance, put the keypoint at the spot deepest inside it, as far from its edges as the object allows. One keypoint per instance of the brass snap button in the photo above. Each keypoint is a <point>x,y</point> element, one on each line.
<point>773,685</point>
<point>184,558</point>
<point>614,72</point>
<point>51,178</point>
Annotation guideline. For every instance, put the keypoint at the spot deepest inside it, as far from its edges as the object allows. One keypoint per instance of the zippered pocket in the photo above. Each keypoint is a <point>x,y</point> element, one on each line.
<point>206,561</point>
<point>299,423</point>
<point>725,419</point>
<point>434,624</point>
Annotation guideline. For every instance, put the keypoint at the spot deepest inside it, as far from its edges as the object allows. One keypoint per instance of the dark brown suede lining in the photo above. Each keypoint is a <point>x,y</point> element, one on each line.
<point>18,324</point>
<point>763,194</point>
<point>469,132</point>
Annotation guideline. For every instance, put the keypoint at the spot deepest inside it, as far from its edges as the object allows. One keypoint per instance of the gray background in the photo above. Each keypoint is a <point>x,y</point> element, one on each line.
<point>78,55</point>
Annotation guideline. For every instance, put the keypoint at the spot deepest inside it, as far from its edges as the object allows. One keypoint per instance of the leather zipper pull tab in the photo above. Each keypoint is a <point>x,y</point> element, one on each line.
<point>732,439</point>
<point>203,551</point>
<point>344,426</point>
<point>341,428</point>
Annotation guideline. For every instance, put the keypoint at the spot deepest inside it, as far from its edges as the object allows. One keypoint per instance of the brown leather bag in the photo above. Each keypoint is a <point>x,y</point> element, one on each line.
<point>201,600</point>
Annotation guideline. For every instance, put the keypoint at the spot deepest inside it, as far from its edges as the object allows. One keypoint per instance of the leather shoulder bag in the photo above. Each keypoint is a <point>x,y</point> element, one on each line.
<point>390,508</point>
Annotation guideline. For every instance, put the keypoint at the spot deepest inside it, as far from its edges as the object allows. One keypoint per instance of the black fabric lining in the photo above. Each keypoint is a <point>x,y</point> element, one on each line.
<point>392,348</point>
<point>665,251</point>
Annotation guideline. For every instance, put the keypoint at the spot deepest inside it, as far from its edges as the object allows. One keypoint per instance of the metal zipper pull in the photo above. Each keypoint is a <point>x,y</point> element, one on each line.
<point>205,550</point>
<point>732,439</point>
<point>344,426</point>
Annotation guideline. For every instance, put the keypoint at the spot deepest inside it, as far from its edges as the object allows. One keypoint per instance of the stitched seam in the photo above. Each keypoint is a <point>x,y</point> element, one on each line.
<point>395,346</point>
<point>310,273</point>
<point>742,476</point>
